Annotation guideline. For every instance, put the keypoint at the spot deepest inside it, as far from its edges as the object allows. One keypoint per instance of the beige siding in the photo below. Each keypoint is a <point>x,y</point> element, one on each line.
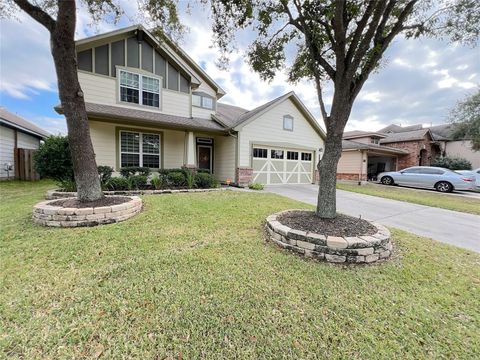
<point>464,150</point>
<point>351,162</point>
<point>103,90</point>
<point>7,142</point>
<point>175,103</point>
<point>224,158</point>
<point>25,141</point>
<point>363,140</point>
<point>103,136</point>
<point>269,128</point>
<point>202,113</point>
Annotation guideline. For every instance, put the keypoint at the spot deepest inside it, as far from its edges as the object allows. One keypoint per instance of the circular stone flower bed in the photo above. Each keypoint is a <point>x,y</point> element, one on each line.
<point>70,212</point>
<point>341,240</point>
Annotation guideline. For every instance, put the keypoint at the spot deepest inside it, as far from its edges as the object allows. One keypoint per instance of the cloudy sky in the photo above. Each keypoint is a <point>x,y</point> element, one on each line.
<point>419,81</point>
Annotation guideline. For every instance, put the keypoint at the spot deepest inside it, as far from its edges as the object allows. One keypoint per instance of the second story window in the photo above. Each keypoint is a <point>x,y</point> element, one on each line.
<point>375,140</point>
<point>288,123</point>
<point>139,89</point>
<point>202,100</point>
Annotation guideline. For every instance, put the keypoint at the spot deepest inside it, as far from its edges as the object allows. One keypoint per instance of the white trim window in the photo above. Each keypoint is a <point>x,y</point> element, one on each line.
<point>130,85</point>
<point>139,149</point>
<point>260,153</point>
<point>203,101</point>
<point>288,123</point>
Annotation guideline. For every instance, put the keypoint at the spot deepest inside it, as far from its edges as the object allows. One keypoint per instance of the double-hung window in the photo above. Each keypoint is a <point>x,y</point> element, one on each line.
<point>139,149</point>
<point>139,89</point>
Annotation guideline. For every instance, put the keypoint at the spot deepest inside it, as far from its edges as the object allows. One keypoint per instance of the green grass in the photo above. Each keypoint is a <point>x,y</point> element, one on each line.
<point>422,197</point>
<point>191,277</point>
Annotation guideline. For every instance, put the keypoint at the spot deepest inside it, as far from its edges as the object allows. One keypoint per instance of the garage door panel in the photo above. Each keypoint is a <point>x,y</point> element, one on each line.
<point>259,164</point>
<point>282,171</point>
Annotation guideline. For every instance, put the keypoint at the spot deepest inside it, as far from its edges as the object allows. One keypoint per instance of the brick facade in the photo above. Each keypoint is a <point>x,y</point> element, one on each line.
<point>244,176</point>
<point>355,177</point>
<point>420,152</point>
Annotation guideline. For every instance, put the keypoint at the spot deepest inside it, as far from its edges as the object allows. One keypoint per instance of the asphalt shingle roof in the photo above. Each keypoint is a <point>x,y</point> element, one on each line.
<point>150,117</point>
<point>20,123</point>
<point>355,145</point>
<point>405,136</point>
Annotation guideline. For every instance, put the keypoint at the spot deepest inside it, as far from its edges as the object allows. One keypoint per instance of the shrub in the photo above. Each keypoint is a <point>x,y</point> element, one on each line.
<point>205,180</point>
<point>256,186</point>
<point>136,182</point>
<point>190,179</point>
<point>105,174</point>
<point>453,163</point>
<point>117,183</point>
<point>159,181</point>
<point>176,179</point>
<point>68,185</point>
<point>128,171</point>
<point>54,160</point>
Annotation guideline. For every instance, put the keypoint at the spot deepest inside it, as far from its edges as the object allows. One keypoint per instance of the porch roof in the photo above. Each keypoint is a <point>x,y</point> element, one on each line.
<point>355,145</point>
<point>150,117</point>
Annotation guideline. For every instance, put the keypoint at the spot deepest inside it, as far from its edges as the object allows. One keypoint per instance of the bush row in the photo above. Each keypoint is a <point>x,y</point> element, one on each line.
<point>166,178</point>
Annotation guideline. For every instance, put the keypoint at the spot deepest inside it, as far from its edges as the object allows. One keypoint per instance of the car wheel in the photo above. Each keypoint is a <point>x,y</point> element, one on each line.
<point>387,180</point>
<point>444,186</point>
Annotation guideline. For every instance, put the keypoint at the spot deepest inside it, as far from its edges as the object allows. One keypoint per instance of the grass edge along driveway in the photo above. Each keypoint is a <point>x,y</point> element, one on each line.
<point>191,277</point>
<point>421,197</point>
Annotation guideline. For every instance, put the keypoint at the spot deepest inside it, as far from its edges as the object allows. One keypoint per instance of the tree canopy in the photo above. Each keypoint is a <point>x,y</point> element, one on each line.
<point>466,117</point>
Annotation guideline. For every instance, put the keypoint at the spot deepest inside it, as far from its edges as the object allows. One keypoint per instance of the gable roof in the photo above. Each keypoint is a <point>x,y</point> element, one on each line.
<point>406,136</point>
<point>236,117</point>
<point>11,120</point>
<point>355,145</point>
<point>176,48</point>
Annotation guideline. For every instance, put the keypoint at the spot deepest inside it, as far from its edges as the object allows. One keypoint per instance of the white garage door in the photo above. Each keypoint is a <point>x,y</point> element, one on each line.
<point>272,165</point>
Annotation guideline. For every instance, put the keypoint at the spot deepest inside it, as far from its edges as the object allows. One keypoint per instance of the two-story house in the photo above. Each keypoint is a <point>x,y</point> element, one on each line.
<point>149,104</point>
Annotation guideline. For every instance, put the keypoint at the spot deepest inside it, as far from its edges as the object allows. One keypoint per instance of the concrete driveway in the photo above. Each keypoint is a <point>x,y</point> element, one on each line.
<point>447,226</point>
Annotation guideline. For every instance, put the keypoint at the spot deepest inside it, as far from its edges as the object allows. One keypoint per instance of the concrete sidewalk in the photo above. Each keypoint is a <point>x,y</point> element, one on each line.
<point>447,226</point>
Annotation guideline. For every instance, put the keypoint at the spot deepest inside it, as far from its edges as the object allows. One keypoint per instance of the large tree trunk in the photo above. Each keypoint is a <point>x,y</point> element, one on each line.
<point>73,104</point>
<point>327,166</point>
<point>327,170</point>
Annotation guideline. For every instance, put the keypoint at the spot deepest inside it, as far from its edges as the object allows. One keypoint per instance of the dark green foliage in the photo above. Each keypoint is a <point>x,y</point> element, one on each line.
<point>128,171</point>
<point>453,163</point>
<point>136,182</point>
<point>105,174</point>
<point>53,159</point>
<point>176,179</point>
<point>159,181</point>
<point>67,185</point>
<point>205,181</point>
<point>256,186</point>
<point>117,183</point>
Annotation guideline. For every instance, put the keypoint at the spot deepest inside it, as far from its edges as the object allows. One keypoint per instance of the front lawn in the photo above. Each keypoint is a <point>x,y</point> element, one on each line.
<point>191,277</point>
<point>422,197</point>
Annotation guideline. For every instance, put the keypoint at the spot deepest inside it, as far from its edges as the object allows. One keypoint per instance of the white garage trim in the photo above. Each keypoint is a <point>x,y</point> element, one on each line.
<point>269,170</point>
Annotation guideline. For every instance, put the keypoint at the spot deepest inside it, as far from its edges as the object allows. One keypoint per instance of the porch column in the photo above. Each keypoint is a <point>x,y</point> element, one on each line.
<point>190,141</point>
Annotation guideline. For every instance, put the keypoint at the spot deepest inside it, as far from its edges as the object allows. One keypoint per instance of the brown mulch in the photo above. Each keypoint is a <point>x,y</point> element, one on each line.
<point>342,225</point>
<point>106,201</point>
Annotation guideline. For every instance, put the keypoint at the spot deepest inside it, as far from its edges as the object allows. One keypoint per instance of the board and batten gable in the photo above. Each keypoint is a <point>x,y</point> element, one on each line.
<point>103,56</point>
<point>268,128</point>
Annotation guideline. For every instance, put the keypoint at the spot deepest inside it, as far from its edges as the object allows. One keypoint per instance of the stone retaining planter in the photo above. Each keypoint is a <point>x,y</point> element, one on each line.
<point>57,194</point>
<point>335,249</point>
<point>56,216</point>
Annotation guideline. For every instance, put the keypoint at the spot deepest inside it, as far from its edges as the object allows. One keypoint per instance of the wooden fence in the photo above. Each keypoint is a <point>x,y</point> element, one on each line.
<point>24,169</point>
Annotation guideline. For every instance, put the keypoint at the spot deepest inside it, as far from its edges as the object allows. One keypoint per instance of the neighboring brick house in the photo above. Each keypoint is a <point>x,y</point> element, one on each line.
<point>419,142</point>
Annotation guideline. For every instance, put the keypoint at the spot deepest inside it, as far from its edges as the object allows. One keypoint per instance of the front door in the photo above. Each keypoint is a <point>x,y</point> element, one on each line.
<point>204,157</point>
